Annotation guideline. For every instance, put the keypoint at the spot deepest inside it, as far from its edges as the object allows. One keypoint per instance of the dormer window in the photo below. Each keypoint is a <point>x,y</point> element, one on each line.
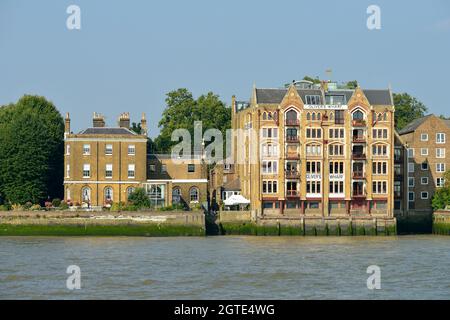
<point>312,99</point>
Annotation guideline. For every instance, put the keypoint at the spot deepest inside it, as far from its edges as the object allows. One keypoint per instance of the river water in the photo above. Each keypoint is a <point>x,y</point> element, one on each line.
<point>412,267</point>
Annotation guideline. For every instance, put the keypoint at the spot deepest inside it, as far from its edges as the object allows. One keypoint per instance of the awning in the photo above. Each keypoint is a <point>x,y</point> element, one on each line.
<point>236,199</point>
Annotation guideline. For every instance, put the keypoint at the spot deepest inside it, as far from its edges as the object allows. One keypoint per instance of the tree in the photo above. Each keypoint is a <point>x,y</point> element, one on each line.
<point>352,84</point>
<point>441,198</point>
<point>407,109</point>
<point>31,151</point>
<point>139,198</point>
<point>136,127</point>
<point>182,110</point>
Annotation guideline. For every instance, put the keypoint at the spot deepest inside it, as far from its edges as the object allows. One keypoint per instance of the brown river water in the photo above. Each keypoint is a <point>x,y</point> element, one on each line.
<point>412,267</point>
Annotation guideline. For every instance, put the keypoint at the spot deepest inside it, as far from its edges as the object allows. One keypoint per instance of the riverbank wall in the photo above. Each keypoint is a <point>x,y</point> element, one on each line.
<point>64,223</point>
<point>248,223</point>
<point>441,222</point>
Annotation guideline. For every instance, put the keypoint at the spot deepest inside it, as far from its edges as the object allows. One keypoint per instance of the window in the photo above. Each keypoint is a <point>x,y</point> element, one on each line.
<point>313,133</point>
<point>152,168</point>
<point>336,133</point>
<point>131,150</point>
<point>440,182</point>
<point>424,151</point>
<point>131,171</point>
<point>440,137</point>
<point>68,171</point>
<point>410,167</point>
<point>313,150</point>
<point>424,166</point>
<point>86,171</point>
<point>424,137</point>
<point>358,115</point>
<point>335,99</point>
<point>164,168</point>
<point>270,150</point>
<point>86,194</point>
<point>336,167</point>
<point>68,149</point>
<point>313,186</point>
<point>424,195</point>
<point>313,167</point>
<point>108,194</point>
<point>193,194</point>
<point>269,167</point>
<point>191,167</point>
<point>397,154</point>
<point>86,149</point>
<point>410,153</point>
<point>379,150</point>
<point>397,169</point>
<point>410,196</point>
<point>440,153</point>
<point>379,167</point>
<point>176,195</point>
<point>440,167</point>
<point>411,182</point>
<point>108,171</point>
<point>339,117</point>
<point>270,186</point>
<point>108,149</point>
<point>336,150</point>
<point>336,187</point>
<point>379,187</point>
<point>379,133</point>
<point>424,180</point>
<point>313,99</point>
<point>270,132</point>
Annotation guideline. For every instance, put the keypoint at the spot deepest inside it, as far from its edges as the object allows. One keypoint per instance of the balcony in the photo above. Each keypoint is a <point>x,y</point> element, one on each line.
<point>358,156</point>
<point>358,123</point>
<point>292,122</point>
<point>358,175</point>
<point>358,194</point>
<point>292,174</point>
<point>292,193</point>
<point>292,156</point>
<point>291,138</point>
<point>359,139</point>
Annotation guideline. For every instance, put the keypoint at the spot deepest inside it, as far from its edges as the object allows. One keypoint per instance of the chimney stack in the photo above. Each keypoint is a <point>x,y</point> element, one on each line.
<point>143,124</point>
<point>98,120</point>
<point>124,120</point>
<point>67,123</point>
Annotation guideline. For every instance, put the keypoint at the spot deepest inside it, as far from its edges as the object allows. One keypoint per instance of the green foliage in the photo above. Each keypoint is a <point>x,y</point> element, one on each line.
<point>56,202</point>
<point>407,109</point>
<point>174,207</point>
<point>181,112</point>
<point>139,199</point>
<point>35,207</point>
<point>4,207</point>
<point>27,205</point>
<point>136,127</point>
<point>31,150</point>
<point>352,84</point>
<point>441,198</point>
<point>313,80</point>
<point>63,205</point>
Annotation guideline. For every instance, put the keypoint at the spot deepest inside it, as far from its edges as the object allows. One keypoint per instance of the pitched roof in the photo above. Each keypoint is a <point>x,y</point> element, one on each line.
<point>106,130</point>
<point>232,185</point>
<point>412,126</point>
<point>275,96</point>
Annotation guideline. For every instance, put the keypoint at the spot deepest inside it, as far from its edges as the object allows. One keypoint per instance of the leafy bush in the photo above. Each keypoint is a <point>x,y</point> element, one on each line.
<point>441,198</point>
<point>27,205</point>
<point>139,199</point>
<point>56,202</point>
<point>4,207</point>
<point>16,207</point>
<point>174,207</point>
<point>117,206</point>
<point>63,205</point>
<point>35,207</point>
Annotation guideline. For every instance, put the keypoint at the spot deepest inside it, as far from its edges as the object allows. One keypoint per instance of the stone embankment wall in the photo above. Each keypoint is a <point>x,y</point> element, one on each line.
<point>64,223</point>
<point>247,223</point>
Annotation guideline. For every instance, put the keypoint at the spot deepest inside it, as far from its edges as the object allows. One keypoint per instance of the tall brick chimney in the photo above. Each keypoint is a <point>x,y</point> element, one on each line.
<point>143,125</point>
<point>124,120</point>
<point>67,123</point>
<point>98,120</point>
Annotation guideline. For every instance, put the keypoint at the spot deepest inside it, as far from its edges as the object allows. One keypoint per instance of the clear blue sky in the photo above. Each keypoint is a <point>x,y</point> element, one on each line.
<point>129,54</point>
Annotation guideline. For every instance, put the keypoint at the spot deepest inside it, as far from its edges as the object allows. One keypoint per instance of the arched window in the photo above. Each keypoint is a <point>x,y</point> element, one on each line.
<point>193,194</point>
<point>269,116</point>
<point>308,116</point>
<point>108,194</point>
<point>384,116</point>
<point>318,116</point>
<point>331,115</point>
<point>176,195</point>
<point>275,115</point>
<point>130,190</point>
<point>264,115</point>
<point>379,117</point>
<point>358,115</point>
<point>86,194</point>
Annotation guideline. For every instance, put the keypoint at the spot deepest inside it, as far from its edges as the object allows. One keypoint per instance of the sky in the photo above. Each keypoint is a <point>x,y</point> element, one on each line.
<point>129,54</point>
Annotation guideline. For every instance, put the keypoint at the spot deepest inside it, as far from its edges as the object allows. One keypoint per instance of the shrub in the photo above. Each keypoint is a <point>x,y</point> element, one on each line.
<point>139,198</point>
<point>441,198</point>
<point>35,207</point>
<point>63,205</point>
<point>56,202</point>
<point>27,205</point>
<point>173,207</point>
<point>117,206</point>
<point>16,207</point>
<point>4,207</point>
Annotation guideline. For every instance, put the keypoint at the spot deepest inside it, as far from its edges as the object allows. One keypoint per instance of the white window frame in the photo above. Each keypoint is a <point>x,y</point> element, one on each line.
<point>413,182</point>
<point>68,171</point>
<point>108,167</point>
<point>86,149</point>
<point>422,137</point>
<point>131,149</point>
<point>421,195</point>
<point>410,152</point>
<point>438,167</point>
<point>422,180</point>
<point>131,168</point>
<point>422,153</point>
<point>86,168</point>
<point>410,167</point>
<point>441,155</point>
<point>438,184</point>
<point>107,152</point>
<point>440,137</point>
<point>68,149</point>
<point>421,166</point>
<point>413,196</point>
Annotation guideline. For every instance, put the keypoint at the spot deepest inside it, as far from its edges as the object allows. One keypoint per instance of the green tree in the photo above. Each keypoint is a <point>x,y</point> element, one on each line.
<point>136,127</point>
<point>139,199</point>
<point>441,199</point>
<point>352,84</point>
<point>182,110</point>
<point>407,109</point>
<point>31,150</point>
